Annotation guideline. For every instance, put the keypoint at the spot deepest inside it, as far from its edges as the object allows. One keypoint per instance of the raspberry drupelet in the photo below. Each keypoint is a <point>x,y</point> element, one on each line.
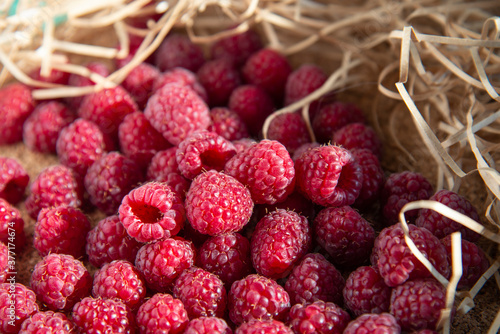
<point>16,104</point>
<point>47,322</point>
<point>318,317</point>
<point>17,298</point>
<point>268,326</point>
<point>13,180</point>
<point>219,77</point>
<point>11,226</point>
<point>5,267</point>
<point>208,325</point>
<point>162,313</point>
<point>384,323</point>
<point>227,123</point>
<point>177,50</point>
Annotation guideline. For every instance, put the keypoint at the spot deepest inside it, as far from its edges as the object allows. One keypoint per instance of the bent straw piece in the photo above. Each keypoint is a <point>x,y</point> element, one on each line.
<point>462,133</point>
<point>465,42</point>
<point>84,49</point>
<point>482,74</point>
<point>52,93</point>
<point>107,20</point>
<point>495,326</point>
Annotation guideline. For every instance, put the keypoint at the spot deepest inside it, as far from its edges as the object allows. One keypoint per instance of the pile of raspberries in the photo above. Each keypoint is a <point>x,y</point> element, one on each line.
<point>209,227</point>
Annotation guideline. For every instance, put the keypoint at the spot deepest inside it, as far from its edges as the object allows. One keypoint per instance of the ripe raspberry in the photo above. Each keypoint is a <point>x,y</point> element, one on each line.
<point>16,104</point>
<point>329,176</point>
<point>219,77</point>
<point>442,226</point>
<point>178,51</point>
<point>266,169</point>
<point>140,82</point>
<point>164,168</point>
<point>345,235</point>
<point>373,178</point>
<point>366,292</point>
<point>268,326</point>
<point>314,278</point>
<point>152,212</point>
<point>236,48</point>
<point>5,266</point>
<point>208,325</point>
<point>203,151</point>
<point>279,240</point>
<point>162,313</point>
<point>42,128</point>
<point>294,202</point>
<point>290,130</point>
<point>11,226</point>
<point>76,80</point>
<point>302,82</point>
<point>227,123</point>
<point>358,135</point>
<point>13,180</point>
<point>55,186</point>
<point>184,77</point>
<point>17,303</point>
<point>302,148</point>
<point>319,317</point>
<point>384,323</point>
<point>257,297</point>
<point>60,281</point>
<point>243,144</point>
<point>55,76</point>
<point>217,203</point>
<point>333,116</point>
<point>47,322</point>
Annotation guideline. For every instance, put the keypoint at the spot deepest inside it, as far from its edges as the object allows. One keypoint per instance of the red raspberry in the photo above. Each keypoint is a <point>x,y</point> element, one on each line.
<point>162,261</point>
<point>54,186</point>
<point>329,176</point>
<point>152,212</point>
<point>162,313</point>
<point>266,169</point>
<point>373,178</point>
<point>302,82</point>
<point>358,135</point>
<point>319,317</point>
<point>366,292</point>
<point>55,76</point>
<point>267,326</point>
<point>76,80</point>
<point>5,266</point>
<point>164,168</point>
<point>442,226</point>
<point>11,226</point>
<point>120,280</point>
<point>294,202</point>
<point>237,48</point>
<point>345,235</point>
<point>109,179</point>
<point>243,144</point>
<point>203,151</point>
<point>384,323</point>
<point>13,180</point>
<point>217,203</point>
<point>109,241</point>
<point>47,322</point>
<point>16,104</point>
<point>140,82</point>
<point>17,303</point>
<point>227,256</point>
<point>177,111</point>
<point>290,130</point>
<point>417,304</point>
<point>184,77</point>
<point>60,281</point>
<point>333,116</point>
<point>227,123</point>
<point>219,77</point>
<point>314,278</point>
<point>396,262</point>
<point>257,297</point>
<point>208,325</point>
<point>279,240</point>
<point>302,148</point>
<point>42,128</point>
<point>178,51</point>
<point>62,230</point>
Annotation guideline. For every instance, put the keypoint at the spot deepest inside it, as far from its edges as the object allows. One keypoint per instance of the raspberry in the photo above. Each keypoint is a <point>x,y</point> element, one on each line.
<point>42,128</point>
<point>358,135</point>
<point>55,185</point>
<point>203,151</point>
<point>162,261</point>
<point>76,80</point>
<point>178,51</point>
<point>314,278</point>
<point>184,77</point>
<point>162,313</point>
<point>177,111</point>
<point>329,176</point>
<point>16,104</point>
<point>333,116</point>
<point>236,48</point>
<point>227,123</point>
<point>302,148</point>
<point>120,280</point>
<point>227,256</point>
<point>395,261</point>
<point>442,226</point>
<point>290,130</point>
<point>268,326</point>
<point>103,316</point>
<point>384,323</point>
<point>60,281</point>
<point>294,202</point>
<point>109,241</point>
<point>109,179</point>
<point>55,76</point>
<point>5,267</point>
<point>164,168</point>
<point>345,235</point>
<point>217,203</point>
<point>373,178</point>
<point>366,292</point>
<point>202,293</point>
<point>319,317</point>
<point>266,169</point>
<point>219,77</point>
<point>62,230</point>
<point>11,226</point>
<point>47,322</point>
<point>140,82</point>
<point>152,212</point>
<point>17,303</point>
<point>208,325</point>
<point>417,304</point>
<point>243,144</point>
<point>279,240</point>
<point>257,297</point>
<point>13,180</point>
<point>302,82</point>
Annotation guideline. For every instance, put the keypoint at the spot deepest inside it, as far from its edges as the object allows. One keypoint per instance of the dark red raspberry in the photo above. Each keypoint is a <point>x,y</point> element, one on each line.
<point>162,313</point>
<point>396,262</point>
<point>178,51</point>
<point>103,316</point>
<point>373,178</point>
<point>358,135</point>
<point>140,82</point>
<point>227,123</point>
<point>152,212</point>
<point>217,203</point>
<point>109,241</point>
<point>302,148</point>
<point>55,186</point>
<point>333,116</point>
<point>345,235</point>
<point>257,297</point>
<point>329,176</point>
<point>5,266</point>
<point>54,76</point>
<point>219,77</point>
<point>314,278</point>
<point>76,80</point>
<point>266,169</point>
<point>442,226</point>
<point>243,144</point>
<point>16,104</point>
<point>109,179</point>
<point>11,226</point>
<point>164,168</point>
<point>290,130</point>
<point>184,77</point>
<point>47,322</point>
<point>13,180</point>
<point>294,202</point>
<point>236,48</point>
<point>17,303</point>
<point>425,331</point>
<point>162,261</point>
<point>208,325</point>
<point>42,128</point>
<point>302,82</point>
<point>62,230</point>
<point>268,326</point>
<point>384,323</point>
<point>278,242</point>
<point>60,281</point>
<point>366,292</point>
<point>227,256</point>
<point>319,317</point>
